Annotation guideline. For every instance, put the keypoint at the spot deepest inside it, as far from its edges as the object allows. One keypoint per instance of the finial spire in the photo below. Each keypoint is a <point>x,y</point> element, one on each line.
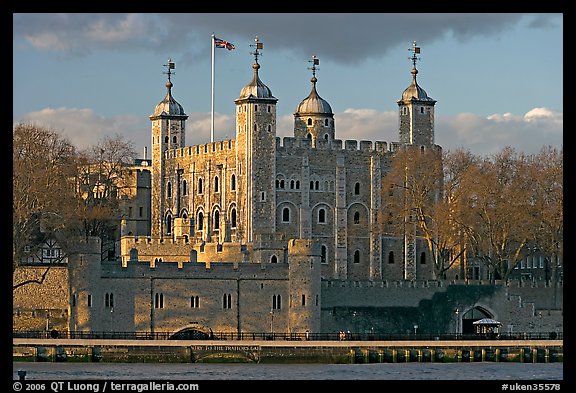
<point>315,61</point>
<point>415,51</point>
<point>258,45</point>
<point>170,66</point>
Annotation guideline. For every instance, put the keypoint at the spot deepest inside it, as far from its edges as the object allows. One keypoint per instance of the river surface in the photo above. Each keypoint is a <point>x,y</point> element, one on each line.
<point>512,372</point>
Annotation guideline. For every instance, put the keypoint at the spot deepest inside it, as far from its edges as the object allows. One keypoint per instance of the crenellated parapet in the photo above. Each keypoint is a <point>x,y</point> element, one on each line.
<point>285,144</point>
<point>206,149</point>
<point>199,270</point>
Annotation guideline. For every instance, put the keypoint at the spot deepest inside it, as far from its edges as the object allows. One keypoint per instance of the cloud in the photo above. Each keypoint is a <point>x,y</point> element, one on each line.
<point>535,129</point>
<point>342,36</point>
<point>84,128</point>
<point>482,136</point>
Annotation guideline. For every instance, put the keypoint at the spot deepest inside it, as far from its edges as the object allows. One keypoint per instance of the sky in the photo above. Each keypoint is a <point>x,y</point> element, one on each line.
<point>497,78</point>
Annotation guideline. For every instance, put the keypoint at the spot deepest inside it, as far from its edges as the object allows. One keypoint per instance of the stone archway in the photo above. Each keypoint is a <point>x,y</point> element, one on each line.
<point>192,333</point>
<point>472,315</point>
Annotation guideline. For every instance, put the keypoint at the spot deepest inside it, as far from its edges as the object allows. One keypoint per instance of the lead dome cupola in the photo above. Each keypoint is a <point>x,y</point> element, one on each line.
<point>314,103</point>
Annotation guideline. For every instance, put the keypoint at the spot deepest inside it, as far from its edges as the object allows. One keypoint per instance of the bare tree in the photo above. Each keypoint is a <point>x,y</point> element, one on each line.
<point>42,199</point>
<point>547,207</point>
<point>102,182</point>
<point>498,216</point>
<point>414,197</point>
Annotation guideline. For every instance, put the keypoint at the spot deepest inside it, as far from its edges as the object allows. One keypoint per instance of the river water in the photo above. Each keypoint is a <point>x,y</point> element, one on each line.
<point>480,371</point>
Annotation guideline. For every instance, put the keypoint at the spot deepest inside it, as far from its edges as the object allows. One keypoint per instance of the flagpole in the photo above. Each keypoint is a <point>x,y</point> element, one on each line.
<point>212,118</point>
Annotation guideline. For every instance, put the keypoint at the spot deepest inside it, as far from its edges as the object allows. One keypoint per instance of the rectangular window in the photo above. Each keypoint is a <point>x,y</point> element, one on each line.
<point>141,210</point>
<point>89,300</point>
<point>303,300</point>
<point>541,262</point>
<point>130,211</point>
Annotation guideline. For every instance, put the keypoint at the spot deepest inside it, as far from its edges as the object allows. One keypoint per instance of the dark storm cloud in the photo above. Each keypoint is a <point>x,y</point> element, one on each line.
<point>343,37</point>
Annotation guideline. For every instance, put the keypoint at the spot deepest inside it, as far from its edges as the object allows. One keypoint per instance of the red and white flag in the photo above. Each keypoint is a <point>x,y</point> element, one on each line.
<point>218,43</point>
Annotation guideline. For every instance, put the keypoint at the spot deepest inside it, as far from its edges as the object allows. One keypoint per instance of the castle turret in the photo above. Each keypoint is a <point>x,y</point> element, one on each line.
<point>256,155</point>
<point>168,132</point>
<point>313,118</point>
<point>304,258</point>
<point>416,112</point>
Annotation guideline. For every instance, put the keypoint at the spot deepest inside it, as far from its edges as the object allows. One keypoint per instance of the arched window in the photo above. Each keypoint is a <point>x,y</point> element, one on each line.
<point>159,300</point>
<point>317,185</point>
<point>169,190</point>
<point>311,184</point>
<point>421,109</point>
<point>216,184</point>
<point>323,254</point>
<point>273,259</point>
<point>291,184</point>
<point>174,139</point>
<point>322,216</point>
<point>184,188</point>
<point>227,300</point>
<point>326,125</point>
<point>356,217</point>
<point>200,186</point>
<point>282,184</point>
<point>268,108</point>
<point>269,128</point>
<point>286,214</point>
<point>309,136</point>
<point>423,258</point>
<point>233,182</point>
<point>216,219</point>
<point>166,139</point>
<point>233,218</point>
<point>357,256</point>
<point>297,184</point>
<point>255,127</point>
<point>357,189</point>
<point>109,300</point>
<point>326,136</point>
<point>391,257</point>
<point>309,121</point>
<point>168,224</point>
<point>200,221</point>
<point>276,302</point>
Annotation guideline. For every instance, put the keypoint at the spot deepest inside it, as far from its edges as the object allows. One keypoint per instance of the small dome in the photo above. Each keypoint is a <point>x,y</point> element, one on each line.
<point>314,103</point>
<point>415,91</point>
<point>255,89</point>
<point>168,106</point>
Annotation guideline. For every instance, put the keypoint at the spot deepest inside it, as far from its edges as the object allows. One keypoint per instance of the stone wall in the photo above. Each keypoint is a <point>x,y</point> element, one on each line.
<point>38,306</point>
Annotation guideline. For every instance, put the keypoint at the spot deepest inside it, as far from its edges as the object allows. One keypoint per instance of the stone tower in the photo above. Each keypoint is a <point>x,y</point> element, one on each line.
<point>168,132</point>
<point>256,155</point>
<point>416,112</point>
<point>416,128</point>
<point>313,118</point>
<point>304,277</point>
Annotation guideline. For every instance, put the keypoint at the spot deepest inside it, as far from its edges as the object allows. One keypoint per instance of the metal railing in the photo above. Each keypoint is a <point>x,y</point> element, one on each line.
<point>253,336</point>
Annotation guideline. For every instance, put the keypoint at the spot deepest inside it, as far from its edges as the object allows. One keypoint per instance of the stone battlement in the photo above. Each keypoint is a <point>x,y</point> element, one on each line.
<point>200,150</point>
<point>196,270</point>
<point>287,143</point>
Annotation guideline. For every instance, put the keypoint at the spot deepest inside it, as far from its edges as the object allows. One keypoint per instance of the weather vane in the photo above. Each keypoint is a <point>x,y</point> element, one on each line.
<point>315,61</point>
<point>170,66</point>
<point>416,50</point>
<point>257,45</point>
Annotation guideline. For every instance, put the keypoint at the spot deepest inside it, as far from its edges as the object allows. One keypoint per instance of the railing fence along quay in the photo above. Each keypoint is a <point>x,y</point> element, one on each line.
<point>259,336</point>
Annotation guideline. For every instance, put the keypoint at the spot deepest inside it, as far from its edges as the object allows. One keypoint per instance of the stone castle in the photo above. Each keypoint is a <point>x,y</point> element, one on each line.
<point>261,233</point>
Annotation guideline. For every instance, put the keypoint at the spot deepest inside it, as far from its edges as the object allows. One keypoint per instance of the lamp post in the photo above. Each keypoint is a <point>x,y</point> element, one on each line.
<point>271,322</point>
<point>457,312</point>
